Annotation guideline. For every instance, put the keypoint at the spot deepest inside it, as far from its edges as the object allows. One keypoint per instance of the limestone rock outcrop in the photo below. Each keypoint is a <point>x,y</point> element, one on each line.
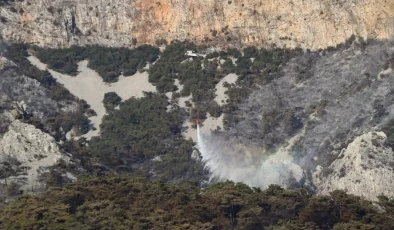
<point>28,153</point>
<point>364,168</point>
<point>4,62</point>
<point>308,24</point>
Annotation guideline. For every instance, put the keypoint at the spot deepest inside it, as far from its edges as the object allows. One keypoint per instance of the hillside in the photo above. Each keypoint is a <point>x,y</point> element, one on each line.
<point>293,101</point>
<point>289,114</point>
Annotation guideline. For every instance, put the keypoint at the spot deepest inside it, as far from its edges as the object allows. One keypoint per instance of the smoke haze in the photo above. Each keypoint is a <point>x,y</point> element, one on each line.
<point>336,96</point>
<point>229,159</point>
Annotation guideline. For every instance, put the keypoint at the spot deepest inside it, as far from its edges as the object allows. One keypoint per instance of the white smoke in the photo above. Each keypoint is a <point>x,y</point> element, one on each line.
<point>229,159</point>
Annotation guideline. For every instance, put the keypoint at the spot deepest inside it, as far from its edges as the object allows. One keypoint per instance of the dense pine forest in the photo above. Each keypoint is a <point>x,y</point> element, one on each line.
<point>135,203</point>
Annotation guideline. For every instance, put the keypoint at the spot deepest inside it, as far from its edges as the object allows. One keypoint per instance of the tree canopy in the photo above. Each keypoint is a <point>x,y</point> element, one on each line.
<point>109,62</point>
<point>141,130</point>
<point>134,203</point>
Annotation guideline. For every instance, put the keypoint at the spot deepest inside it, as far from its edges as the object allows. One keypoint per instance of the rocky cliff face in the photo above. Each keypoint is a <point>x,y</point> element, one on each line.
<point>308,23</point>
<point>26,153</point>
<point>364,168</point>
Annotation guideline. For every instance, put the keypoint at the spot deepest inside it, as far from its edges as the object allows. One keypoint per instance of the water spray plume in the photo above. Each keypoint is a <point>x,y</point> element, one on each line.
<point>229,159</point>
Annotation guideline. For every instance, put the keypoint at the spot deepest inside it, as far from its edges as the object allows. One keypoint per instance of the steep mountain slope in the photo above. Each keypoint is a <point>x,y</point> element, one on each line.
<point>364,168</point>
<point>309,24</point>
<point>289,113</point>
<point>29,156</point>
<point>26,155</point>
<point>325,101</point>
<point>343,89</point>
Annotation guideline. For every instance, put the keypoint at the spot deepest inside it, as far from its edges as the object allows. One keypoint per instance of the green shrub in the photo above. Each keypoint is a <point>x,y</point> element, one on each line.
<point>234,53</point>
<point>251,52</point>
<point>111,100</point>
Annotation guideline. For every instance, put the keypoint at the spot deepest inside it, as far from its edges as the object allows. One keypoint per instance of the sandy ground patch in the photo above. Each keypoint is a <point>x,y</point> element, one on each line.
<point>210,124</point>
<point>189,132</point>
<point>182,101</point>
<point>180,88</point>
<point>221,97</point>
<point>89,86</point>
